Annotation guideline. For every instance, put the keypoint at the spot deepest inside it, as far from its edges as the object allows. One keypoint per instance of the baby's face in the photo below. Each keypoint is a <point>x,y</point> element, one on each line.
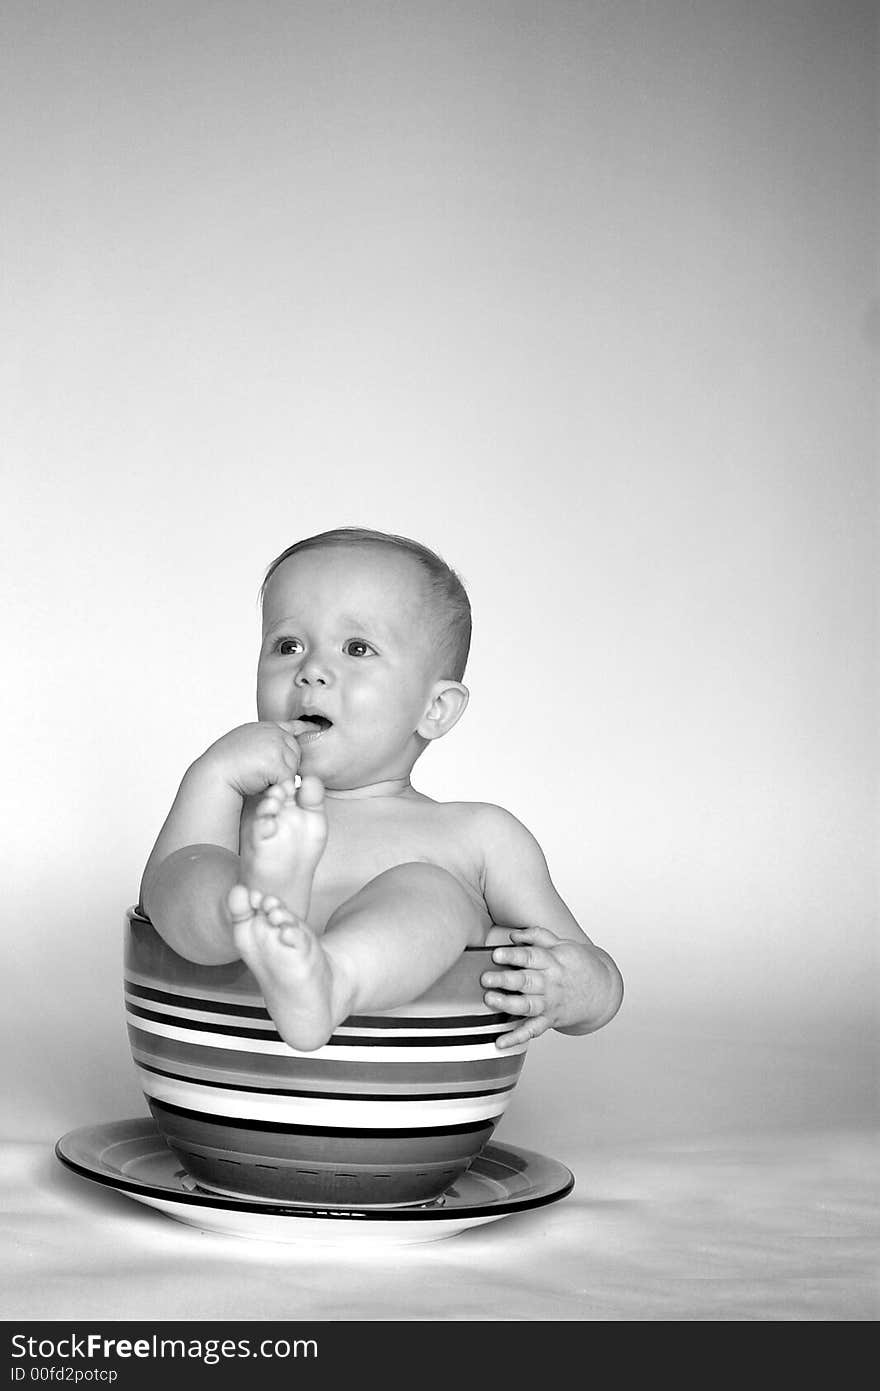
<point>347,636</point>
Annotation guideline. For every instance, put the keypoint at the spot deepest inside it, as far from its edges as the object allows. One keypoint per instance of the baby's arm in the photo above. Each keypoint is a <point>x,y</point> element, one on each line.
<point>559,978</point>
<point>195,861</point>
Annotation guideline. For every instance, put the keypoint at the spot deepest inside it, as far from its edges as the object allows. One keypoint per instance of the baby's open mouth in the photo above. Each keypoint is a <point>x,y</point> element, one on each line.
<point>316,721</point>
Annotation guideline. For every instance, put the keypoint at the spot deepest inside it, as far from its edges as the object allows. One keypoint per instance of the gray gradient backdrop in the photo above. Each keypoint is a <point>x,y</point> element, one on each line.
<point>584,296</point>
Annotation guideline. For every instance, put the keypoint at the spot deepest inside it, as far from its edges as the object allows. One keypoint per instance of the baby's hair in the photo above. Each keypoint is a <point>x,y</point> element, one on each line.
<point>446,589</point>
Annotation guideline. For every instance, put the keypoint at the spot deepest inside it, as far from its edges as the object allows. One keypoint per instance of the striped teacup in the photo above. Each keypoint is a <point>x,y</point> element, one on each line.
<point>391,1110</point>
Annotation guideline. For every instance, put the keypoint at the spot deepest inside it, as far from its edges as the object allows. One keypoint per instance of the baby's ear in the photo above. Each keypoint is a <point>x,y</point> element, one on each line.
<point>448,703</point>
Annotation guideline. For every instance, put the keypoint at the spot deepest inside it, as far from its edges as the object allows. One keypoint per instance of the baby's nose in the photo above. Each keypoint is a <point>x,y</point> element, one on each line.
<point>313,672</point>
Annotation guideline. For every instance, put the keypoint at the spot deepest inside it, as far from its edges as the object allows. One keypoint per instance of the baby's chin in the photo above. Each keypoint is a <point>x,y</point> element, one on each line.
<point>349,781</point>
<point>341,773</point>
<point>335,776</point>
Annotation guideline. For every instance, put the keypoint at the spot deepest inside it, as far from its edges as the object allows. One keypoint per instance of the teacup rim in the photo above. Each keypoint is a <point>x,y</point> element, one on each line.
<point>134,913</point>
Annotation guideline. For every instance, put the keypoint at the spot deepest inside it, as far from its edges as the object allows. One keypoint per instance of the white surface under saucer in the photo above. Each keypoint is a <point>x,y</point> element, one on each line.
<point>131,1157</point>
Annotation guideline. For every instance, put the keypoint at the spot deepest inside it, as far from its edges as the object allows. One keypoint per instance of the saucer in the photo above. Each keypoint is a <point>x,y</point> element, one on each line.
<point>131,1157</point>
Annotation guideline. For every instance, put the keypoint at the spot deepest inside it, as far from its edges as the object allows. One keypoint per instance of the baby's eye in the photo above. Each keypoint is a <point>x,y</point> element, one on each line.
<point>288,647</point>
<point>356,647</point>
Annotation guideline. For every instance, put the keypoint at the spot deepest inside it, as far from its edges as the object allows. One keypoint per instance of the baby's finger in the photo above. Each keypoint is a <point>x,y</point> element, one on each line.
<point>521,956</point>
<point>508,1003</point>
<point>291,756</point>
<point>523,1033</point>
<point>539,936</point>
<point>520,982</point>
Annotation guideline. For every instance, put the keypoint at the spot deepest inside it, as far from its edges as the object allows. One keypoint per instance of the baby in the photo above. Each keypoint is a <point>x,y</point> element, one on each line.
<point>351,891</point>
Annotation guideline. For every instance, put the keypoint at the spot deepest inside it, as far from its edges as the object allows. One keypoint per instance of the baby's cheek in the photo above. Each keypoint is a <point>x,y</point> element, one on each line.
<point>369,706</point>
<point>271,695</point>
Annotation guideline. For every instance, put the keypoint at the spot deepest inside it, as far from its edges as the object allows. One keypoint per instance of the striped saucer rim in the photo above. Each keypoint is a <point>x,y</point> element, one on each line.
<point>81,1151</point>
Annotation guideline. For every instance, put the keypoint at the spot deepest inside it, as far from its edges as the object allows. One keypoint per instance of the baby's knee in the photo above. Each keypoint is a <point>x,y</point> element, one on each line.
<point>420,876</point>
<point>423,889</point>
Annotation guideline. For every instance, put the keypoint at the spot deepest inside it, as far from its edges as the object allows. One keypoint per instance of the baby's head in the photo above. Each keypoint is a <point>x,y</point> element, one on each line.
<point>369,634</point>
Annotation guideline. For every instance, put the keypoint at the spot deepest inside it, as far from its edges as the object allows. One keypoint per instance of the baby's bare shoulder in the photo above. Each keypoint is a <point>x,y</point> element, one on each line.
<point>492,826</point>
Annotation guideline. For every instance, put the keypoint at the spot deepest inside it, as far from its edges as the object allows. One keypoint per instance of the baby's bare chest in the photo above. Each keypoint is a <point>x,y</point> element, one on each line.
<point>359,848</point>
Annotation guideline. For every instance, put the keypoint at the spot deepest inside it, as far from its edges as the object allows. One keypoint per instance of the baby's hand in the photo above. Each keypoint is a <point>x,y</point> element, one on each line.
<point>255,756</point>
<point>552,983</point>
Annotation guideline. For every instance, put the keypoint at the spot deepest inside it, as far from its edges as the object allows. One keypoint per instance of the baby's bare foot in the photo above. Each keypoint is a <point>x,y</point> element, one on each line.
<point>303,987</point>
<point>282,845</point>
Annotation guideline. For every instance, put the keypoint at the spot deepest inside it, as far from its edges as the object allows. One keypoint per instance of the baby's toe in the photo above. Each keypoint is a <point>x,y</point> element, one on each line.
<point>238,902</point>
<point>280,916</point>
<point>311,792</point>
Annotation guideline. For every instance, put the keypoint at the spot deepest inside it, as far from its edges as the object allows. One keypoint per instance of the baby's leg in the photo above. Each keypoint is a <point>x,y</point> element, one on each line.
<point>282,844</point>
<point>383,947</point>
<point>280,849</point>
<point>401,932</point>
<point>304,994</point>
